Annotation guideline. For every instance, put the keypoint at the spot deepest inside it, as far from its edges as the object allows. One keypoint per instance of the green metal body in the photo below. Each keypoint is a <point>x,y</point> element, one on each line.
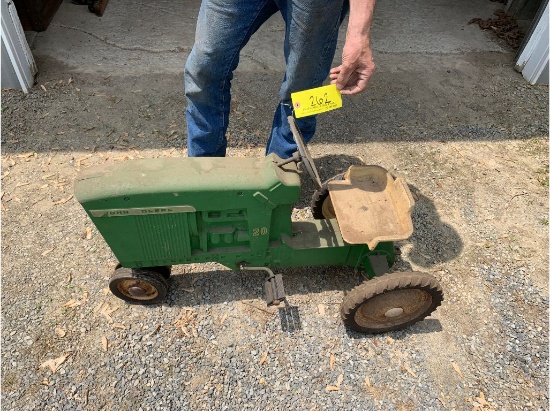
<point>233,211</point>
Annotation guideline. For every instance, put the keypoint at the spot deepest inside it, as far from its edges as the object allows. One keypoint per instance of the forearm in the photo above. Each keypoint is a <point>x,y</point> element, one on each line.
<point>360,20</point>
<point>352,76</point>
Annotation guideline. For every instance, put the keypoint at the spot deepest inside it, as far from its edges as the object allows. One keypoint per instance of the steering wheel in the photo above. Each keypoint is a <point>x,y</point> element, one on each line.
<point>304,152</point>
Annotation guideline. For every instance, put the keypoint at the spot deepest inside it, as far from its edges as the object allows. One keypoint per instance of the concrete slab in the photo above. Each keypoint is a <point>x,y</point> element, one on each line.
<point>426,26</point>
<point>138,37</point>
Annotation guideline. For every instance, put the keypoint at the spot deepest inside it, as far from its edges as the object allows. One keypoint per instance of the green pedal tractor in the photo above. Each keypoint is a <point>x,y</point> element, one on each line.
<point>156,213</point>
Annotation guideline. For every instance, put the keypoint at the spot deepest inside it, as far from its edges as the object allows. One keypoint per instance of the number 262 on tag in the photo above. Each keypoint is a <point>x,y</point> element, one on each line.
<point>316,100</point>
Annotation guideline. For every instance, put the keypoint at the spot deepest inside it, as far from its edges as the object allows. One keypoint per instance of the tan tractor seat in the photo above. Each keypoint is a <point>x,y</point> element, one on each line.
<point>372,206</point>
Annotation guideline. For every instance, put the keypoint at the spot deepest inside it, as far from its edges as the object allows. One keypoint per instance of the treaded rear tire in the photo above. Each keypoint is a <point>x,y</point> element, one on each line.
<point>320,196</point>
<point>374,306</point>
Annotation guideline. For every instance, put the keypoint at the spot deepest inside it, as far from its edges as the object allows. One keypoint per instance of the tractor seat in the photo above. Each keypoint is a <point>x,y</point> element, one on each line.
<point>372,206</point>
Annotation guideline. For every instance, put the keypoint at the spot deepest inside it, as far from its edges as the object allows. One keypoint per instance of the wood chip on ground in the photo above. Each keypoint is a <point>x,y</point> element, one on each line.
<point>80,160</point>
<point>106,311</point>
<point>409,370</point>
<point>264,357</point>
<point>187,321</point>
<point>71,304</point>
<point>155,330</point>
<point>457,369</point>
<point>60,332</point>
<point>63,200</point>
<point>336,387</point>
<point>55,363</point>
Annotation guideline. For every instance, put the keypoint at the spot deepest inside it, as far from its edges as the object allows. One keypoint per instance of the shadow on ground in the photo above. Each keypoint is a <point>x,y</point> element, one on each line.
<point>433,240</point>
<point>219,287</point>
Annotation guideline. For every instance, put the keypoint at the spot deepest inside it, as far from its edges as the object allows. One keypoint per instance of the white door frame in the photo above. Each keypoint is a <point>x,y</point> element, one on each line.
<point>20,68</point>
<point>532,60</point>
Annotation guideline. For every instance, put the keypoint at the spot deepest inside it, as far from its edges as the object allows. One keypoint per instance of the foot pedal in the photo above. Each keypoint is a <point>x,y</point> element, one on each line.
<point>274,290</point>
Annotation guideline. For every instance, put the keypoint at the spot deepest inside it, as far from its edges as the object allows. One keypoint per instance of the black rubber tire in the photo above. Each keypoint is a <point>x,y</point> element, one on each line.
<point>153,282</point>
<point>164,270</point>
<point>319,198</point>
<point>375,296</point>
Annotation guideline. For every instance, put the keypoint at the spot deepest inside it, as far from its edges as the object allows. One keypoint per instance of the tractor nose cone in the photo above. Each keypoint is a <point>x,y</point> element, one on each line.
<point>136,291</point>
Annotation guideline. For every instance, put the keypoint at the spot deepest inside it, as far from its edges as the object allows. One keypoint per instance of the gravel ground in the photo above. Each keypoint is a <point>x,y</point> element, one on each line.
<point>477,167</point>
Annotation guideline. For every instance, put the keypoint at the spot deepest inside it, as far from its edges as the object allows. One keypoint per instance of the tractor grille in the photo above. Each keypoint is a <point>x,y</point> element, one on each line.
<point>164,236</point>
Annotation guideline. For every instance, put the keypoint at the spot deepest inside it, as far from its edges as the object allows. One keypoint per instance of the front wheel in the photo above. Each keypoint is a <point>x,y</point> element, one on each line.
<point>138,286</point>
<point>391,302</point>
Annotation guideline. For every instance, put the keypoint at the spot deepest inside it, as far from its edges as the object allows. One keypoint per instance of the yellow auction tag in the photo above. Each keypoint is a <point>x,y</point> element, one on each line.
<point>316,100</point>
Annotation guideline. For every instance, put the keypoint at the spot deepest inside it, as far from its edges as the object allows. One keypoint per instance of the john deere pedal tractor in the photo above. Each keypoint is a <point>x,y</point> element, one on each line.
<point>156,213</point>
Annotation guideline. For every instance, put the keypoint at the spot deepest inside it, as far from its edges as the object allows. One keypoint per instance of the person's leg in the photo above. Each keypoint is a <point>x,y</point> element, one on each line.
<point>310,42</point>
<point>223,29</point>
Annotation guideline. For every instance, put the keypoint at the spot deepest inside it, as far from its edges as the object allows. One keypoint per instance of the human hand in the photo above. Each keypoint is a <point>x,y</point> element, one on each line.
<point>352,76</point>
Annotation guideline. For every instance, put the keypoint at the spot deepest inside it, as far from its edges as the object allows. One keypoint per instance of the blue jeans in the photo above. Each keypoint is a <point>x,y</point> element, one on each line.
<point>223,29</point>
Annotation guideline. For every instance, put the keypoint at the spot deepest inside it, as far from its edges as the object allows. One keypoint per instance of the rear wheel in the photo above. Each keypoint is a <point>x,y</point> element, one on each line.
<point>391,302</point>
<point>321,204</point>
<point>138,286</point>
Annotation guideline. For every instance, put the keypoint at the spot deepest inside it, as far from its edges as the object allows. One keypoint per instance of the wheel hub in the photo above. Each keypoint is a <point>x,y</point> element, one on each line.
<point>137,289</point>
<point>394,312</point>
<point>393,308</point>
